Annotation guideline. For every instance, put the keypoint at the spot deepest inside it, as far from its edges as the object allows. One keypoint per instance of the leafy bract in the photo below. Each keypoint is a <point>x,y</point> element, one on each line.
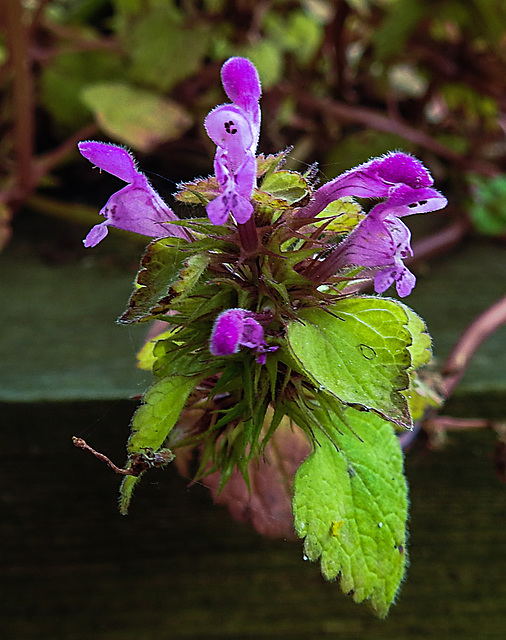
<point>153,421</point>
<point>286,185</point>
<point>350,504</point>
<point>348,214</point>
<point>358,351</point>
<point>160,269</point>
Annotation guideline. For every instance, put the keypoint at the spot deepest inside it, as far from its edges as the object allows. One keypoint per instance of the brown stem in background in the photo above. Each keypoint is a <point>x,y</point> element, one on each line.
<point>448,423</point>
<point>375,120</point>
<point>45,163</point>
<point>473,336</point>
<point>22,97</point>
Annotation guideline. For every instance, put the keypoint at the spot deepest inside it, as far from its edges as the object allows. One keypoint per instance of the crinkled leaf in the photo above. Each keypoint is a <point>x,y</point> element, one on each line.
<point>145,357</point>
<point>420,395</point>
<point>153,421</point>
<point>350,504</point>
<point>359,353</point>
<point>267,164</point>
<point>160,269</point>
<point>199,191</point>
<point>192,271</point>
<point>289,186</point>
<point>424,392</point>
<point>135,116</point>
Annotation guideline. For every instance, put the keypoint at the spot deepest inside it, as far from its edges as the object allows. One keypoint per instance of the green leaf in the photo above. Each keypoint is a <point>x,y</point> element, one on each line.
<point>403,18</point>
<point>289,186</point>
<point>360,354</point>
<point>488,205</point>
<point>421,342</point>
<point>288,31</point>
<point>65,76</point>
<point>348,214</point>
<point>135,116</point>
<point>268,164</point>
<point>350,504</point>
<point>153,421</point>
<point>165,49</point>
<point>199,191</point>
<point>160,268</point>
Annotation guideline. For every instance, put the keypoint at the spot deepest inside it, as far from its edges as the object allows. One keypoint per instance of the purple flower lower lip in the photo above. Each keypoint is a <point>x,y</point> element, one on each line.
<point>137,207</point>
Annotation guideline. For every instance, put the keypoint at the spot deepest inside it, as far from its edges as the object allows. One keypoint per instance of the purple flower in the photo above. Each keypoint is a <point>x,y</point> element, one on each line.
<point>137,207</point>
<point>235,129</point>
<point>380,240</point>
<point>242,85</point>
<point>398,177</point>
<point>384,244</point>
<point>235,328</point>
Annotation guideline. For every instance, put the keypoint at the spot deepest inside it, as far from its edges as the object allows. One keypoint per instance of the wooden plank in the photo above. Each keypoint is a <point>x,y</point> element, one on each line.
<point>179,568</point>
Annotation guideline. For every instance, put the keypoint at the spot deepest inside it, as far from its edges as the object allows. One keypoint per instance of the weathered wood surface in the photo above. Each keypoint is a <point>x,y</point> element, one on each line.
<point>179,568</point>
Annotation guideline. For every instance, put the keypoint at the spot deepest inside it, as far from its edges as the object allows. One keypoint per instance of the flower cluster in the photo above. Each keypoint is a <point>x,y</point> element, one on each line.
<point>267,350</point>
<point>381,240</point>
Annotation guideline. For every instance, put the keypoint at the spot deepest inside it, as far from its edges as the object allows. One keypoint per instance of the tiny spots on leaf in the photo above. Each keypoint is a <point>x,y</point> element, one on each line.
<point>335,527</point>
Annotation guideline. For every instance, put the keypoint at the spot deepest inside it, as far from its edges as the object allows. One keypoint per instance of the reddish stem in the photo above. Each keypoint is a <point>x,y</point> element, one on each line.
<point>22,97</point>
<point>249,236</point>
<point>472,337</point>
<point>343,112</point>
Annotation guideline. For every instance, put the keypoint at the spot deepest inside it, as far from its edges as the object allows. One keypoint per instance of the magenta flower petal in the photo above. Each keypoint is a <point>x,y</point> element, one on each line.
<point>235,328</point>
<point>111,158</point>
<point>380,178</point>
<point>96,235</point>
<point>234,164</point>
<point>235,128</point>
<point>401,275</point>
<point>240,81</point>
<point>230,131</point>
<point>406,201</point>
<point>137,207</point>
<point>227,332</point>
<point>379,243</point>
<point>242,85</point>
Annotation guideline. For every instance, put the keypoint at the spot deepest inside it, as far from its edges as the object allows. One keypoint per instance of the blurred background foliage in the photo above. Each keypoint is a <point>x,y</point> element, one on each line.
<point>343,80</point>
